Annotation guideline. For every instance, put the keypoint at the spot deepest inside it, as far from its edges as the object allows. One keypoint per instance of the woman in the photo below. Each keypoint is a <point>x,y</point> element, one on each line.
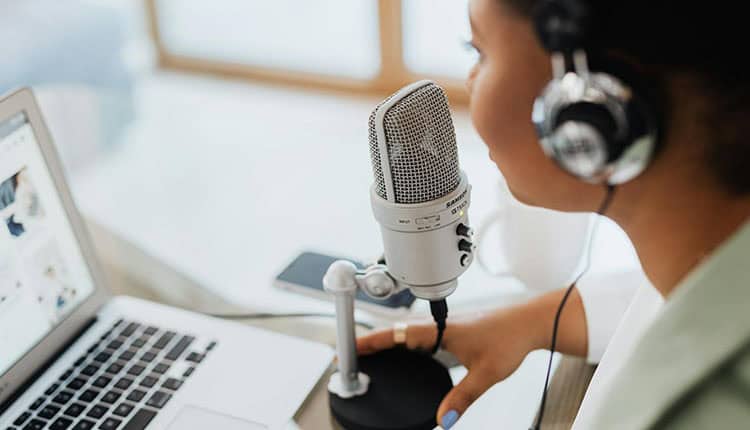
<point>685,213</point>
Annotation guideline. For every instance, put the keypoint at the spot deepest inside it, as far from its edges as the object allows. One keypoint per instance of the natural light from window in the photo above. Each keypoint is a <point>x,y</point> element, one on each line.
<point>329,37</point>
<point>435,35</point>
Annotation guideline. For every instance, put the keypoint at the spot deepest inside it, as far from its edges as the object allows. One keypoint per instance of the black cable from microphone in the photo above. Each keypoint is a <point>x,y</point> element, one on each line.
<point>610,192</point>
<point>439,310</point>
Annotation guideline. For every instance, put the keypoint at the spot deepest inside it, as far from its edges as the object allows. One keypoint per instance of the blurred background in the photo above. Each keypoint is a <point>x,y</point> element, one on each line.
<point>92,56</point>
<point>210,142</point>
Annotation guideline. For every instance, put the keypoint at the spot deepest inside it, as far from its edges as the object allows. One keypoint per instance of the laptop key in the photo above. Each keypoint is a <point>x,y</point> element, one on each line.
<point>123,409</point>
<point>49,411</point>
<point>180,347</point>
<point>110,424</point>
<point>194,357</point>
<point>66,374</point>
<point>164,339</point>
<point>75,409</point>
<point>161,368</point>
<point>22,418</point>
<point>130,329</point>
<point>114,368</point>
<point>35,424</point>
<point>136,370</point>
<point>150,330</point>
<point>115,344</point>
<point>138,343</point>
<point>52,388</point>
<point>149,381</point>
<point>158,399</point>
<point>88,395</point>
<point>76,384</point>
<point>127,355</point>
<point>102,357</point>
<point>38,402</point>
<point>63,397</point>
<point>80,360</point>
<point>84,425</point>
<point>140,420</point>
<point>111,397</point>
<point>172,384</point>
<point>61,423</point>
<point>102,382</point>
<point>97,411</point>
<point>124,383</point>
<point>148,356</point>
<point>136,395</point>
<point>90,370</point>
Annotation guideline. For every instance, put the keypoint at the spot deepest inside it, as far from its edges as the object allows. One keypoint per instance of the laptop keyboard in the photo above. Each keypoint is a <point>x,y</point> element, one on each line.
<point>120,383</point>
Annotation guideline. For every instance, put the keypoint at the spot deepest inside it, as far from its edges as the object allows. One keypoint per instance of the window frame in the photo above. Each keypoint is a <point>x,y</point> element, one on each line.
<point>393,73</point>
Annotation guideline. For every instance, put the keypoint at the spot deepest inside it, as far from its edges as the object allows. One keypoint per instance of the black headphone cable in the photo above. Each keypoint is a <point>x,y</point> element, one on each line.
<point>610,192</point>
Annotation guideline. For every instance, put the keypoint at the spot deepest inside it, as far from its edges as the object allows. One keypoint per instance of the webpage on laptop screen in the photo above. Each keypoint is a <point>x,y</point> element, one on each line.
<point>43,275</point>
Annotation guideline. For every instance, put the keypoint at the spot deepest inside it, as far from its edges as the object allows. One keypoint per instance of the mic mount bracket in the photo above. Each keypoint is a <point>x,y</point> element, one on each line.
<point>342,280</point>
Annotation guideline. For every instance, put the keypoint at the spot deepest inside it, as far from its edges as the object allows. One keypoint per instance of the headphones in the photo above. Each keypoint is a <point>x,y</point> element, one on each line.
<point>593,124</point>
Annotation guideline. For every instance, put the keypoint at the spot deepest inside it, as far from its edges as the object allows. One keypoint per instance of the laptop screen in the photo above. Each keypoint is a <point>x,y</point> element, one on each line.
<point>43,275</point>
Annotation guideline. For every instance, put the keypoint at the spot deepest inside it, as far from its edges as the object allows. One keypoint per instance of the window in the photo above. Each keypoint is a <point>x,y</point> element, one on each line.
<point>435,36</point>
<point>370,46</point>
<point>328,37</point>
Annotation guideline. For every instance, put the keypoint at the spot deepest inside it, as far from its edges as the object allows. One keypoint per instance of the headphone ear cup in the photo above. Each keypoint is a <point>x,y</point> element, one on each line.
<point>582,139</point>
<point>579,149</point>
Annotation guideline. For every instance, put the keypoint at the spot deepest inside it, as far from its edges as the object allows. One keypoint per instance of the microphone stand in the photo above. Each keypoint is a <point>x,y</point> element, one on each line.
<point>396,389</point>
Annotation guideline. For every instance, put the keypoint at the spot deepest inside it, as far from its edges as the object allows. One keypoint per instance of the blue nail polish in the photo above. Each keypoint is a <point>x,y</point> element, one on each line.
<point>449,419</point>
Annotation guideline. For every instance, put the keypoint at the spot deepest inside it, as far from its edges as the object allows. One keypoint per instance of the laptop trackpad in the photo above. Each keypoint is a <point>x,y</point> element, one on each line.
<point>194,418</point>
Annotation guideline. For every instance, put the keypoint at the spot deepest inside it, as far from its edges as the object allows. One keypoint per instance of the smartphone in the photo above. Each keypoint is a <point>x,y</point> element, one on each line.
<point>305,275</point>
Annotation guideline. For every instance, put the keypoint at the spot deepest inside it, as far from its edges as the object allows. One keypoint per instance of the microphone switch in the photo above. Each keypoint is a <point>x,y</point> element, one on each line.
<point>464,230</point>
<point>465,245</point>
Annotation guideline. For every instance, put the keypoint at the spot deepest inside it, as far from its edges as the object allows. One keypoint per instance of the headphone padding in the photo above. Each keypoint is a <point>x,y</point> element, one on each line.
<point>598,117</point>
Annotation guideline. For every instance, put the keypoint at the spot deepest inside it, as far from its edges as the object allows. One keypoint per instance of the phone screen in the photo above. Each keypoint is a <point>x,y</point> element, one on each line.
<point>308,268</point>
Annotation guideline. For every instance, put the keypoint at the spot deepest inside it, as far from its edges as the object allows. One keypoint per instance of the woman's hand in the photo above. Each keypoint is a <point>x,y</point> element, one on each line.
<point>491,348</point>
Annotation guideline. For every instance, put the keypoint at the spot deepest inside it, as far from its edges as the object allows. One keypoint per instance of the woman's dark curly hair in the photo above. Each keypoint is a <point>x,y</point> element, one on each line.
<point>700,41</point>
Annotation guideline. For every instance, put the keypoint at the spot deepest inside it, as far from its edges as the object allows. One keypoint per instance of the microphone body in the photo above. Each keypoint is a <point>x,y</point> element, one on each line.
<point>420,197</point>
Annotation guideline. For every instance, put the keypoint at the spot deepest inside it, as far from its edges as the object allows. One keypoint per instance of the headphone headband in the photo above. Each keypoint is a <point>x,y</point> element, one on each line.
<point>561,25</point>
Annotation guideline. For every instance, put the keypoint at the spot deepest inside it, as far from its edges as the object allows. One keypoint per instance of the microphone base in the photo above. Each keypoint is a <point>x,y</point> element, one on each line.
<point>406,388</point>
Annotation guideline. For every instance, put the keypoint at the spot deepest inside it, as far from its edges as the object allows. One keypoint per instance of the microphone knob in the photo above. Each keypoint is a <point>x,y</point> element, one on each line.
<point>464,230</point>
<point>465,245</point>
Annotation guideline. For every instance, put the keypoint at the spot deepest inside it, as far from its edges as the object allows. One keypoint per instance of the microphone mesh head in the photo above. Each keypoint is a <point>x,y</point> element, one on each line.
<point>421,144</point>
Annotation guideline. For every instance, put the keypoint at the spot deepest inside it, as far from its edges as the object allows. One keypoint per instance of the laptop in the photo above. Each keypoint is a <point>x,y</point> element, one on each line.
<point>74,357</point>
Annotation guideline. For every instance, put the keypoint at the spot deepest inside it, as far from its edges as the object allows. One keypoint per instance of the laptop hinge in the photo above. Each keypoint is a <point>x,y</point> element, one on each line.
<point>20,390</point>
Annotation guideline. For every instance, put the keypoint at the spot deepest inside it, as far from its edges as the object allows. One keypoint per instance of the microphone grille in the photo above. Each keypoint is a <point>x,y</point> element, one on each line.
<point>421,146</point>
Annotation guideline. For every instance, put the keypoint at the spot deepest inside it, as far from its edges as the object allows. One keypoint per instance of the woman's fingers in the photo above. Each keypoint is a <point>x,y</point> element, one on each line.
<point>420,336</point>
<point>374,342</point>
<point>455,403</point>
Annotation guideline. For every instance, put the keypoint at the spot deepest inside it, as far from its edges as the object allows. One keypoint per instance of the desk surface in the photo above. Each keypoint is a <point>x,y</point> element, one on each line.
<point>220,184</point>
<point>512,402</point>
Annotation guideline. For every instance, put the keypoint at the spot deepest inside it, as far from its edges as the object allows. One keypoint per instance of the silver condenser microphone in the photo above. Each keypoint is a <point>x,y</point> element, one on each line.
<point>420,197</point>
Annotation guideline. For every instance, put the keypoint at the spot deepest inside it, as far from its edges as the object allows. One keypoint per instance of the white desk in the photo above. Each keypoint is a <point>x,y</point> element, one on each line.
<point>226,182</point>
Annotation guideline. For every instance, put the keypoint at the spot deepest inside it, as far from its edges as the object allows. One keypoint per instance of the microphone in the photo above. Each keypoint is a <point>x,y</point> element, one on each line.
<point>420,197</point>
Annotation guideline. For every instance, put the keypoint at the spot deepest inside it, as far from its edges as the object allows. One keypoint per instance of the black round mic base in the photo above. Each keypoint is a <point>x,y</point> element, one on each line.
<point>406,388</point>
